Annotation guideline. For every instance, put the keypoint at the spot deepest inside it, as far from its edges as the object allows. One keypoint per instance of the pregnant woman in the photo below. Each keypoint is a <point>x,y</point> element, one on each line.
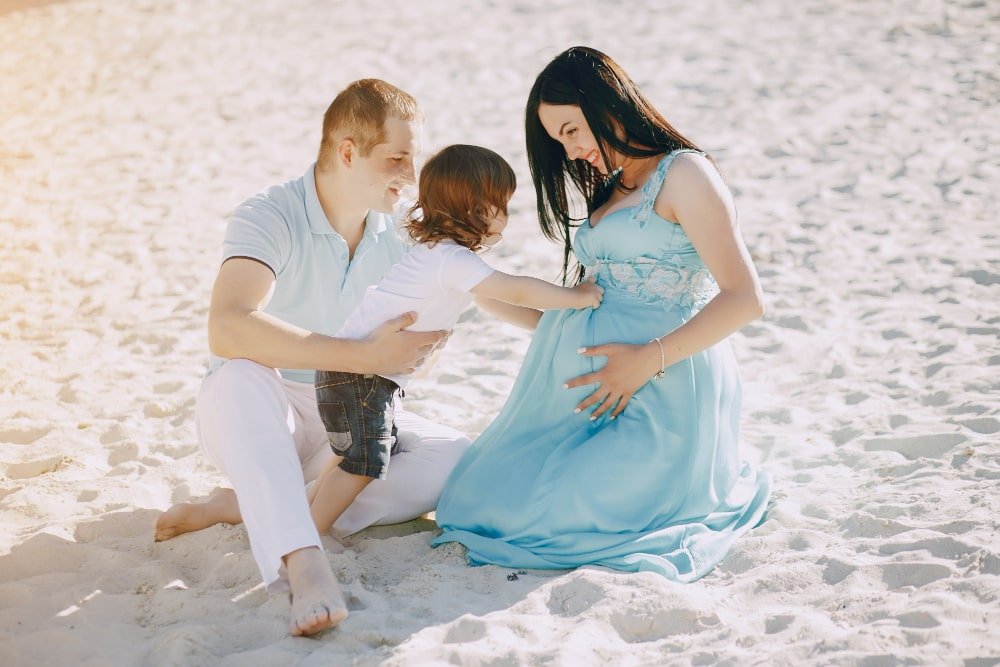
<point>619,443</point>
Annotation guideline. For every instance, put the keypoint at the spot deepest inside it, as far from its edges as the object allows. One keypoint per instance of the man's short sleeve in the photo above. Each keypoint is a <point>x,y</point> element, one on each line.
<point>258,230</point>
<point>462,269</point>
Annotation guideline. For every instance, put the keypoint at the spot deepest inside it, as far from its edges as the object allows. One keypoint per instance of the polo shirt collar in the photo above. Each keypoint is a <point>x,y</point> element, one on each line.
<point>318,224</point>
<point>375,222</point>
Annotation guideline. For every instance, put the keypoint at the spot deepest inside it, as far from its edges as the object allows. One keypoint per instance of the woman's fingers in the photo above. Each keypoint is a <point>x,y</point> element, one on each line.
<point>598,394</point>
<point>621,405</point>
<point>579,381</point>
<point>609,402</point>
<point>615,380</point>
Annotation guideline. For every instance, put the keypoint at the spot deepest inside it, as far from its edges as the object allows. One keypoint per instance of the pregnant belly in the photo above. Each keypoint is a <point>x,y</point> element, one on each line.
<point>561,334</point>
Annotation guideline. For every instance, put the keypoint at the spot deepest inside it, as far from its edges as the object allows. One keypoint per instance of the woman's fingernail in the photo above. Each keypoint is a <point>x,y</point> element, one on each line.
<point>576,411</point>
<point>593,418</point>
<point>581,350</point>
<point>565,386</point>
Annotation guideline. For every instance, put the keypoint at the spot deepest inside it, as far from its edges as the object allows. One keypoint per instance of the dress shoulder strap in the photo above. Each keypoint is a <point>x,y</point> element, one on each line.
<point>654,183</point>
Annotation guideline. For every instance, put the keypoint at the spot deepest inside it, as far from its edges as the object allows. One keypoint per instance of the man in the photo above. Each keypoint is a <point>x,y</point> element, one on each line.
<point>296,260</point>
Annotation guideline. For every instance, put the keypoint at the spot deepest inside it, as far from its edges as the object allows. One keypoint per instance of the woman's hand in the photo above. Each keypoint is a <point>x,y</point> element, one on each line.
<point>628,368</point>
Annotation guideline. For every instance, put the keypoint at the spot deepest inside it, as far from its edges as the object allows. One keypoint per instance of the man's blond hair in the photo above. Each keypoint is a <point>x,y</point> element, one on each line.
<point>359,113</point>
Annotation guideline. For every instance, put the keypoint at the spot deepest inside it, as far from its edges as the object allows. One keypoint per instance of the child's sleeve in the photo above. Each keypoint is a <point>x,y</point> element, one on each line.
<point>461,269</point>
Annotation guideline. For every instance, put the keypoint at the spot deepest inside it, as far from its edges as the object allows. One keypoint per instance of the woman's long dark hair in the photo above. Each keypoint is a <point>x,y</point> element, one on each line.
<point>610,101</point>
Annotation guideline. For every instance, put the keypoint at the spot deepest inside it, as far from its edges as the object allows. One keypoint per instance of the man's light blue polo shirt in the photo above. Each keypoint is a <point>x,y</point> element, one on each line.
<point>317,285</point>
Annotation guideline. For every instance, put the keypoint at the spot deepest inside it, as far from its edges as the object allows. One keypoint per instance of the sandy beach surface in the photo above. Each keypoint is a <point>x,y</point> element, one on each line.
<point>861,141</point>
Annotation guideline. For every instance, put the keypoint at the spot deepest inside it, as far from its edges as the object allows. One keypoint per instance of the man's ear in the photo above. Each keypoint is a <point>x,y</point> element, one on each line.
<point>346,151</point>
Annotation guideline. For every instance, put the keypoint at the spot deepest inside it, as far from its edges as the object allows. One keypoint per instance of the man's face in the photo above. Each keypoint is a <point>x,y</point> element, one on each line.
<point>389,167</point>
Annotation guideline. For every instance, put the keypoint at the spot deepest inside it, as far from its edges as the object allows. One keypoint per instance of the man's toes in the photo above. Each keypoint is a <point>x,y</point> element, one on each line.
<point>313,622</point>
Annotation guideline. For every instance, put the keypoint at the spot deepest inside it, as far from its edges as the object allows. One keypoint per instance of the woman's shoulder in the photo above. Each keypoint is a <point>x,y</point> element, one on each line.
<point>688,164</point>
<point>689,174</point>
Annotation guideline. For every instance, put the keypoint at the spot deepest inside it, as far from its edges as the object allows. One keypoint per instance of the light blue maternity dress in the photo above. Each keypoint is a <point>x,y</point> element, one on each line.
<point>661,487</point>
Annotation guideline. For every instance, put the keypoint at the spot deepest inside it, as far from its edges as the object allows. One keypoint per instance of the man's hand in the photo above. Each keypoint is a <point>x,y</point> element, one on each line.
<point>629,367</point>
<point>390,350</point>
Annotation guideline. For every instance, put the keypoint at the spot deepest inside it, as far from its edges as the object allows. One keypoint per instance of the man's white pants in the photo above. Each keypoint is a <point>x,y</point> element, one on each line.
<point>265,434</point>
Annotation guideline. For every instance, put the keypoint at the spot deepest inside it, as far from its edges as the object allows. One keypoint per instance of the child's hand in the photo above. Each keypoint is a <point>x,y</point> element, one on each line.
<point>589,294</point>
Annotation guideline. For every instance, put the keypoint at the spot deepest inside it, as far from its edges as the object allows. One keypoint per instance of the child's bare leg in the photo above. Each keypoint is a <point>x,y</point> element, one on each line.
<point>313,486</point>
<point>334,491</point>
<point>221,507</point>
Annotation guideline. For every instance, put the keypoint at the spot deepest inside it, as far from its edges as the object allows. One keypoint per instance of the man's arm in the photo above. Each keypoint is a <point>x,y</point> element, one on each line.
<point>238,328</point>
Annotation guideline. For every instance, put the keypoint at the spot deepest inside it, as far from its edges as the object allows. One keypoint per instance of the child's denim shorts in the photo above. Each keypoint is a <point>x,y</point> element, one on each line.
<point>358,413</point>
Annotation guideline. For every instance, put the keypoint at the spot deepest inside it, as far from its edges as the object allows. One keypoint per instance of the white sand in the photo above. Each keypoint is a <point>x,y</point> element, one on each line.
<point>861,142</point>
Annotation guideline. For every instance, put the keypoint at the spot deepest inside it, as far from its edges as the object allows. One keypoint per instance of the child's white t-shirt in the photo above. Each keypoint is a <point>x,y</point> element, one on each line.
<point>431,281</point>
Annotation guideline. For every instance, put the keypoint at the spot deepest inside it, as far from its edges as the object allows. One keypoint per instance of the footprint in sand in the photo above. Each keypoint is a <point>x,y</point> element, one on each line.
<point>895,421</point>
<point>897,575</point>
<point>938,351</point>
<point>640,626</point>
<point>167,387</point>
<point>37,467</point>
<point>116,433</point>
<point>776,624</point>
<point>984,425</point>
<point>938,547</point>
<point>891,334</point>
<point>466,629</point>
<point>574,597</point>
<point>937,399</point>
<point>930,446</point>
<point>861,524</point>
<point>918,619</point>
<point>982,277</point>
<point>188,644</point>
<point>24,435</point>
<point>855,397</point>
<point>836,570</point>
<point>844,435</point>
<point>793,322</point>
<point>122,453</point>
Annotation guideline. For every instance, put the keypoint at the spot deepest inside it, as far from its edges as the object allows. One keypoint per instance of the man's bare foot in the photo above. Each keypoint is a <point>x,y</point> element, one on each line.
<point>317,602</point>
<point>221,507</point>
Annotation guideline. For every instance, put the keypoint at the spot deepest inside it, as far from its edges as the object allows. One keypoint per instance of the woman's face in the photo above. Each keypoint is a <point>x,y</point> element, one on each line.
<point>567,125</point>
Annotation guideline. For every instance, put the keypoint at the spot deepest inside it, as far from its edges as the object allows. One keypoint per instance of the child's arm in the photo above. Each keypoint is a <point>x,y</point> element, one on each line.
<point>520,316</point>
<point>535,293</point>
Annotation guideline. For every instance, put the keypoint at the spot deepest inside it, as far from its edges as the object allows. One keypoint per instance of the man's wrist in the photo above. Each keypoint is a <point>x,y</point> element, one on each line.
<point>349,356</point>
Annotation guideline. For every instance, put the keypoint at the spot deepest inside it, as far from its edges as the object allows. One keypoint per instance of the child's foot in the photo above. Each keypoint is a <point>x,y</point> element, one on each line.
<point>221,507</point>
<point>317,601</point>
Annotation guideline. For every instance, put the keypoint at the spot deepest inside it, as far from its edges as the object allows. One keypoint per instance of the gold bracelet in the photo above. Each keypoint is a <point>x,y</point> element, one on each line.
<point>663,359</point>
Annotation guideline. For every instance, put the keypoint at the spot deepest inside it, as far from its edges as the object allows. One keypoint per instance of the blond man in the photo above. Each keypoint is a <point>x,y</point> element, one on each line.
<point>297,259</point>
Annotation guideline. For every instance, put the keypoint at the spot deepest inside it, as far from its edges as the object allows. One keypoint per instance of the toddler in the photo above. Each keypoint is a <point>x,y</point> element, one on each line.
<point>461,209</point>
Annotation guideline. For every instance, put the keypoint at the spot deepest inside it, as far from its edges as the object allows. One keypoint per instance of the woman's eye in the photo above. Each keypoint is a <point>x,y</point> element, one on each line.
<point>397,159</point>
<point>571,132</point>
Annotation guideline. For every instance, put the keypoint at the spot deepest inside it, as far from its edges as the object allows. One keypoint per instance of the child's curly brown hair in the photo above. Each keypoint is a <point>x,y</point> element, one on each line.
<point>459,188</point>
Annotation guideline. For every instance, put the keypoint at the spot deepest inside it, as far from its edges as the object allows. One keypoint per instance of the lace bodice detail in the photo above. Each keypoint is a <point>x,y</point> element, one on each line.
<point>670,281</point>
<point>652,263</point>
